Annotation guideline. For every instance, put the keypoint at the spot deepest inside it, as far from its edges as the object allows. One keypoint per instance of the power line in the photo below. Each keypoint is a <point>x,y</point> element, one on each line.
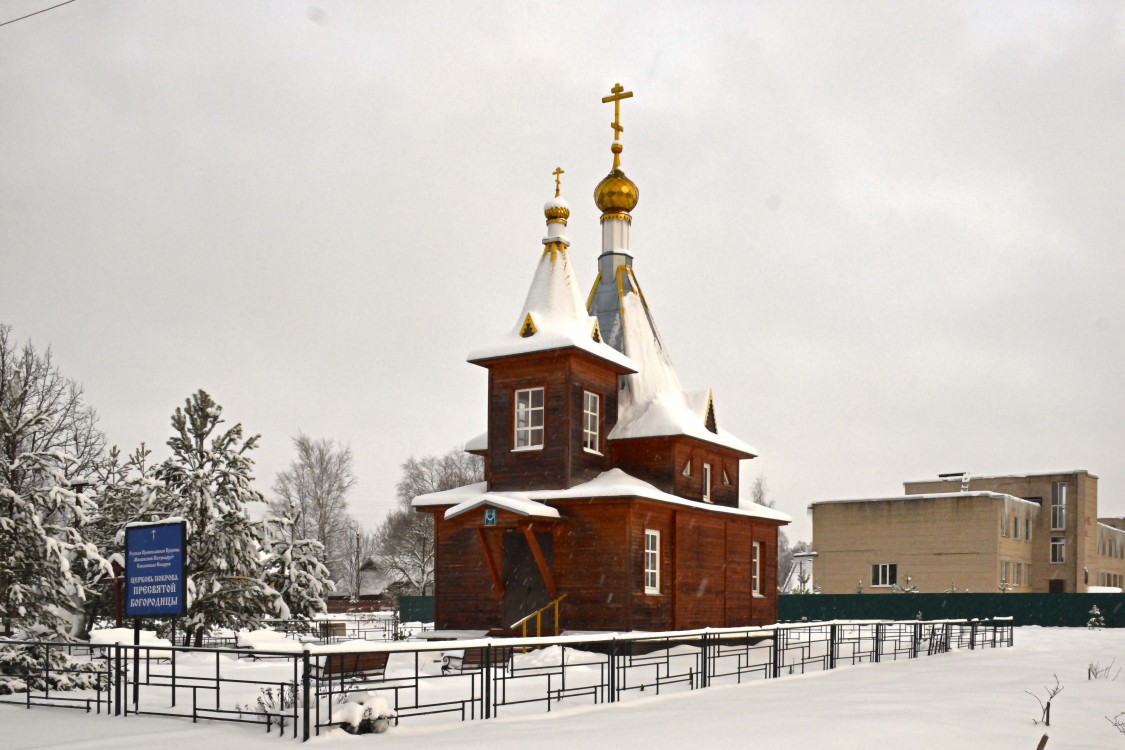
<point>29,15</point>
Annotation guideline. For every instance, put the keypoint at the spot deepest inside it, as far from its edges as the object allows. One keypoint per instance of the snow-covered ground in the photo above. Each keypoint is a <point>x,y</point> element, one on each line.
<point>961,699</point>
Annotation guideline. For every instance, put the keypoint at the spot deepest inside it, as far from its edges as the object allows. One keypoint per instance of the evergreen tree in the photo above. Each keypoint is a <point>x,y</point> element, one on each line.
<point>207,481</point>
<point>1097,620</point>
<point>47,435</point>
<point>126,490</point>
<point>294,569</point>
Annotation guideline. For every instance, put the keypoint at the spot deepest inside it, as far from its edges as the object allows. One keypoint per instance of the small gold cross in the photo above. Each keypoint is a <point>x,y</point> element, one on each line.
<point>557,173</point>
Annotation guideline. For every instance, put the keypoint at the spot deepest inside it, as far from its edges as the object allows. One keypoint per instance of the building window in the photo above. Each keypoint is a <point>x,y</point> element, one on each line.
<point>1004,524</point>
<point>1027,529</point>
<point>529,418</point>
<point>1019,575</point>
<point>1058,507</point>
<point>687,469</point>
<point>755,562</point>
<point>1005,572</point>
<point>706,483</point>
<point>652,561</point>
<point>1016,527</point>
<point>591,419</point>
<point>1057,555</point>
<point>884,574</point>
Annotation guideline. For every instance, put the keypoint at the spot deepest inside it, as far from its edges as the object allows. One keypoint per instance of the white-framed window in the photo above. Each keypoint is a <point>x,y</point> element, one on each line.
<point>652,561</point>
<point>707,483</point>
<point>755,567</point>
<point>1016,528</point>
<point>529,418</point>
<point>1005,572</point>
<point>1004,524</point>
<point>884,574</point>
<point>1018,581</point>
<point>1058,549</point>
<point>591,420</point>
<point>1058,506</point>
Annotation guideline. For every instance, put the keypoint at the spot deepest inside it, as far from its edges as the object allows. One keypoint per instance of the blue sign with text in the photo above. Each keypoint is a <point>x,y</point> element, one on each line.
<point>154,570</point>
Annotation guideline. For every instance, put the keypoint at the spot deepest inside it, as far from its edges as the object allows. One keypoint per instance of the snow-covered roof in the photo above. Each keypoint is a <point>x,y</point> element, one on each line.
<point>557,316</point>
<point>612,483</point>
<point>933,496</point>
<point>654,402</point>
<point>478,443</point>
<point>1033,475</point>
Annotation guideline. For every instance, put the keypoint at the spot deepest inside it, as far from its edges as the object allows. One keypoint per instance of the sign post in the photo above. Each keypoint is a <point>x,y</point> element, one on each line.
<point>154,578</point>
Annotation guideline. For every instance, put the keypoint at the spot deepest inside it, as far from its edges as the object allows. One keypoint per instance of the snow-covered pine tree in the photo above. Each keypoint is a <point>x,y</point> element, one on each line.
<point>208,484</point>
<point>41,520</point>
<point>294,569</point>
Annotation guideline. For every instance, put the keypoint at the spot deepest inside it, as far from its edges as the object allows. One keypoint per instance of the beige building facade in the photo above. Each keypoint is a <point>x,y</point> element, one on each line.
<point>1027,533</point>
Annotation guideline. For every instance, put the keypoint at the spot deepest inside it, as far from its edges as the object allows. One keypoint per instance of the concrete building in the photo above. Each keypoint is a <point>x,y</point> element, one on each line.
<point>1022,533</point>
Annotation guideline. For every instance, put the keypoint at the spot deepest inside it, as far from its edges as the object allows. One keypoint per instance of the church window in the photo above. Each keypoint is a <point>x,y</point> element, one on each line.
<point>726,479</point>
<point>755,568</point>
<point>687,469</point>
<point>591,419</point>
<point>529,418</point>
<point>652,561</point>
<point>706,483</point>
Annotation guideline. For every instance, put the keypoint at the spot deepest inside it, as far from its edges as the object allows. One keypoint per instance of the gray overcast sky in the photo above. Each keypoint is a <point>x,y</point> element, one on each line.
<point>888,235</point>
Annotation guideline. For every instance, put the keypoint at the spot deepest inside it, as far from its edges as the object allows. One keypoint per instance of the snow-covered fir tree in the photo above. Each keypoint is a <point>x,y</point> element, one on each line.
<point>1097,620</point>
<point>294,569</point>
<point>42,512</point>
<point>207,481</point>
<point>126,490</point>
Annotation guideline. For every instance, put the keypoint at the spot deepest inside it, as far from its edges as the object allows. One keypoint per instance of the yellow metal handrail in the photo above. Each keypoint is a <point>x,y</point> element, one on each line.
<point>538,615</point>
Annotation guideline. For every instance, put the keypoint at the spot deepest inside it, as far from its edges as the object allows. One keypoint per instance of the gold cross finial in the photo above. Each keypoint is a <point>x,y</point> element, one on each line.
<point>557,173</point>
<point>617,93</point>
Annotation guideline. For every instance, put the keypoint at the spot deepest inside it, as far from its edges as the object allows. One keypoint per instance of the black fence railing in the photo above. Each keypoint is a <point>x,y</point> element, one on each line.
<point>299,692</point>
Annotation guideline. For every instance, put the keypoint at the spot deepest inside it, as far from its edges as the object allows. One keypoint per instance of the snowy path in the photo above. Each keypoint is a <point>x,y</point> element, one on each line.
<point>958,700</point>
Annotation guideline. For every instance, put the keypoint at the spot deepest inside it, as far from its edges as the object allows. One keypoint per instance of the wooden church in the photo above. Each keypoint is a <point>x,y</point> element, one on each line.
<point>609,489</point>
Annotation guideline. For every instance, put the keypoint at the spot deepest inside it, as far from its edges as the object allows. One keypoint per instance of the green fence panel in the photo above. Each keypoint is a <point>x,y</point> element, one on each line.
<point>417,609</point>
<point>1052,610</point>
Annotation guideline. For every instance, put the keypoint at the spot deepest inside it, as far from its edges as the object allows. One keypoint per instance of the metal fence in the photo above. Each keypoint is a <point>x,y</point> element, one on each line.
<point>298,692</point>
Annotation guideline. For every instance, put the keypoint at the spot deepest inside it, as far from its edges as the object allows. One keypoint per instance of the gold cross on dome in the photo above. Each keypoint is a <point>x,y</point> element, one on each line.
<point>617,93</point>
<point>557,173</point>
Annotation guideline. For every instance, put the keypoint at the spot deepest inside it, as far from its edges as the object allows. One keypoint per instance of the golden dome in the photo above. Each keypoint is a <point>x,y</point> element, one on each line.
<point>616,193</point>
<point>556,209</point>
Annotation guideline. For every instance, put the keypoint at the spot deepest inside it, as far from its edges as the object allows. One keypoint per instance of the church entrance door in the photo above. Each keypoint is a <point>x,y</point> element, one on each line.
<point>524,589</point>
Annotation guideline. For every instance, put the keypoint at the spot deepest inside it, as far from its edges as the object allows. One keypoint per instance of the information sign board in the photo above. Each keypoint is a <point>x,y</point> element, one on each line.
<point>154,570</point>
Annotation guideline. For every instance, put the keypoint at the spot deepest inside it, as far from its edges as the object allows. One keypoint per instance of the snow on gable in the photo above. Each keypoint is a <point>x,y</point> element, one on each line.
<point>558,317</point>
<point>612,483</point>
<point>654,402</point>
<point>516,502</point>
